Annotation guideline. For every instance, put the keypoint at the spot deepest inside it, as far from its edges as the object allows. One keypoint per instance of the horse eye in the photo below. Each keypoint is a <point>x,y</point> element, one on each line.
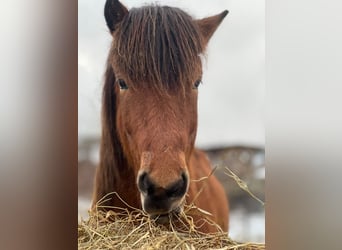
<point>122,84</point>
<point>197,83</point>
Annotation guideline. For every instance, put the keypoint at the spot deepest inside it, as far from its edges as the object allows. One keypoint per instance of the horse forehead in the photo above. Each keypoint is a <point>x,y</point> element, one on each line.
<point>160,98</point>
<point>158,44</point>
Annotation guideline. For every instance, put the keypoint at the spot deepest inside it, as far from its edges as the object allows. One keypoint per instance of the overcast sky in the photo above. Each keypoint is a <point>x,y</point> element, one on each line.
<point>231,98</point>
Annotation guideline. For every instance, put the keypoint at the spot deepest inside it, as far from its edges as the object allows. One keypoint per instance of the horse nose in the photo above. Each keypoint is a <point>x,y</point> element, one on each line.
<point>159,199</point>
<point>151,188</point>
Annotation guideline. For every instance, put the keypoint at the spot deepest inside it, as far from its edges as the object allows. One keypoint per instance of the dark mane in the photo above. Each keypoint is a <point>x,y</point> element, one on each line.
<point>157,45</point>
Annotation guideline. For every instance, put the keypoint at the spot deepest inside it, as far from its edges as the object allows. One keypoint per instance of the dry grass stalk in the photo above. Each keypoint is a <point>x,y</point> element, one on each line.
<point>243,185</point>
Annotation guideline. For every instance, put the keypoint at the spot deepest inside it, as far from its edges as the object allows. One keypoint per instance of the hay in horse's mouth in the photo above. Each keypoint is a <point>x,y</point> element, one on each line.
<point>160,218</point>
<point>165,217</point>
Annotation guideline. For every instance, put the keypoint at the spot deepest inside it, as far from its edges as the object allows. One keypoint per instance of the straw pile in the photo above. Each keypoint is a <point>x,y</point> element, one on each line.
<point>135,230</point>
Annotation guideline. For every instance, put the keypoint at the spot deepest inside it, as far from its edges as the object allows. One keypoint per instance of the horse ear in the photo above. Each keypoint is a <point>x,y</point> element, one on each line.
<point>114,12</point>
<point>208,25</point>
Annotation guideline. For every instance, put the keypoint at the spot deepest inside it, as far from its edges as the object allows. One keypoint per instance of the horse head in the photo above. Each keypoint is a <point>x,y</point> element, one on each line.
<point>157,69</point>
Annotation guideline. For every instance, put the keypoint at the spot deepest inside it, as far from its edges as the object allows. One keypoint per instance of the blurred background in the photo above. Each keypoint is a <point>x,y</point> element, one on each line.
<point>231,102</point>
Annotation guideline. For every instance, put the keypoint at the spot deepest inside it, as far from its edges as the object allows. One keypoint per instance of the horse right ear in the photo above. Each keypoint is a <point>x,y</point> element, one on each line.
<point>114,12</point>
<point>209,25</point>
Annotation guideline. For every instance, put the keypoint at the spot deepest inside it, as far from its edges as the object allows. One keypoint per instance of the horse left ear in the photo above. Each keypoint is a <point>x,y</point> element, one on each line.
<point>114,12</point>
<point>209,25</point>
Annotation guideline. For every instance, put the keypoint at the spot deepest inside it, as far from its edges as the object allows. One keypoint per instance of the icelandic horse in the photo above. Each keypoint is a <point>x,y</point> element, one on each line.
<point>149,115</point>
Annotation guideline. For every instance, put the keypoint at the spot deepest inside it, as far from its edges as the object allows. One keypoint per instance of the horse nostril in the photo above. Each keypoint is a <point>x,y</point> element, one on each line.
<point>179,188</point>
<point>145,185</point>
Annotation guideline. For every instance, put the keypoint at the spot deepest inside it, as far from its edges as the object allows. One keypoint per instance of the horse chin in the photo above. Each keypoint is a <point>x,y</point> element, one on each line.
<point>166,217</point>
<point>161,219</point>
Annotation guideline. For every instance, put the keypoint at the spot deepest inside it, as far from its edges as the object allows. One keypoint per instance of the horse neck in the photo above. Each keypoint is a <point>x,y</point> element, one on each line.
<point>112,161</point>
<point>117,175</point>
<point>114,173</point>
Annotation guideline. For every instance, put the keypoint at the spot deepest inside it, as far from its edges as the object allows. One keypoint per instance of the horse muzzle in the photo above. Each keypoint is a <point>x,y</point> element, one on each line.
<point>160,201</point>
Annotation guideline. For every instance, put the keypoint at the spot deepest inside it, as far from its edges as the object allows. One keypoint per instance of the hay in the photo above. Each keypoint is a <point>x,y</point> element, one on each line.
<point>136,230</point>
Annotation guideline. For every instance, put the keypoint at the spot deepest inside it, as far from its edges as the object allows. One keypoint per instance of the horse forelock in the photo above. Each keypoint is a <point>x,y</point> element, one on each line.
<point>157,45</point>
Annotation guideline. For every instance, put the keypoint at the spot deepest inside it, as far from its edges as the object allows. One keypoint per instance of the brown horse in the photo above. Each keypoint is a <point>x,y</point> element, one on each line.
<point>149,114</point>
